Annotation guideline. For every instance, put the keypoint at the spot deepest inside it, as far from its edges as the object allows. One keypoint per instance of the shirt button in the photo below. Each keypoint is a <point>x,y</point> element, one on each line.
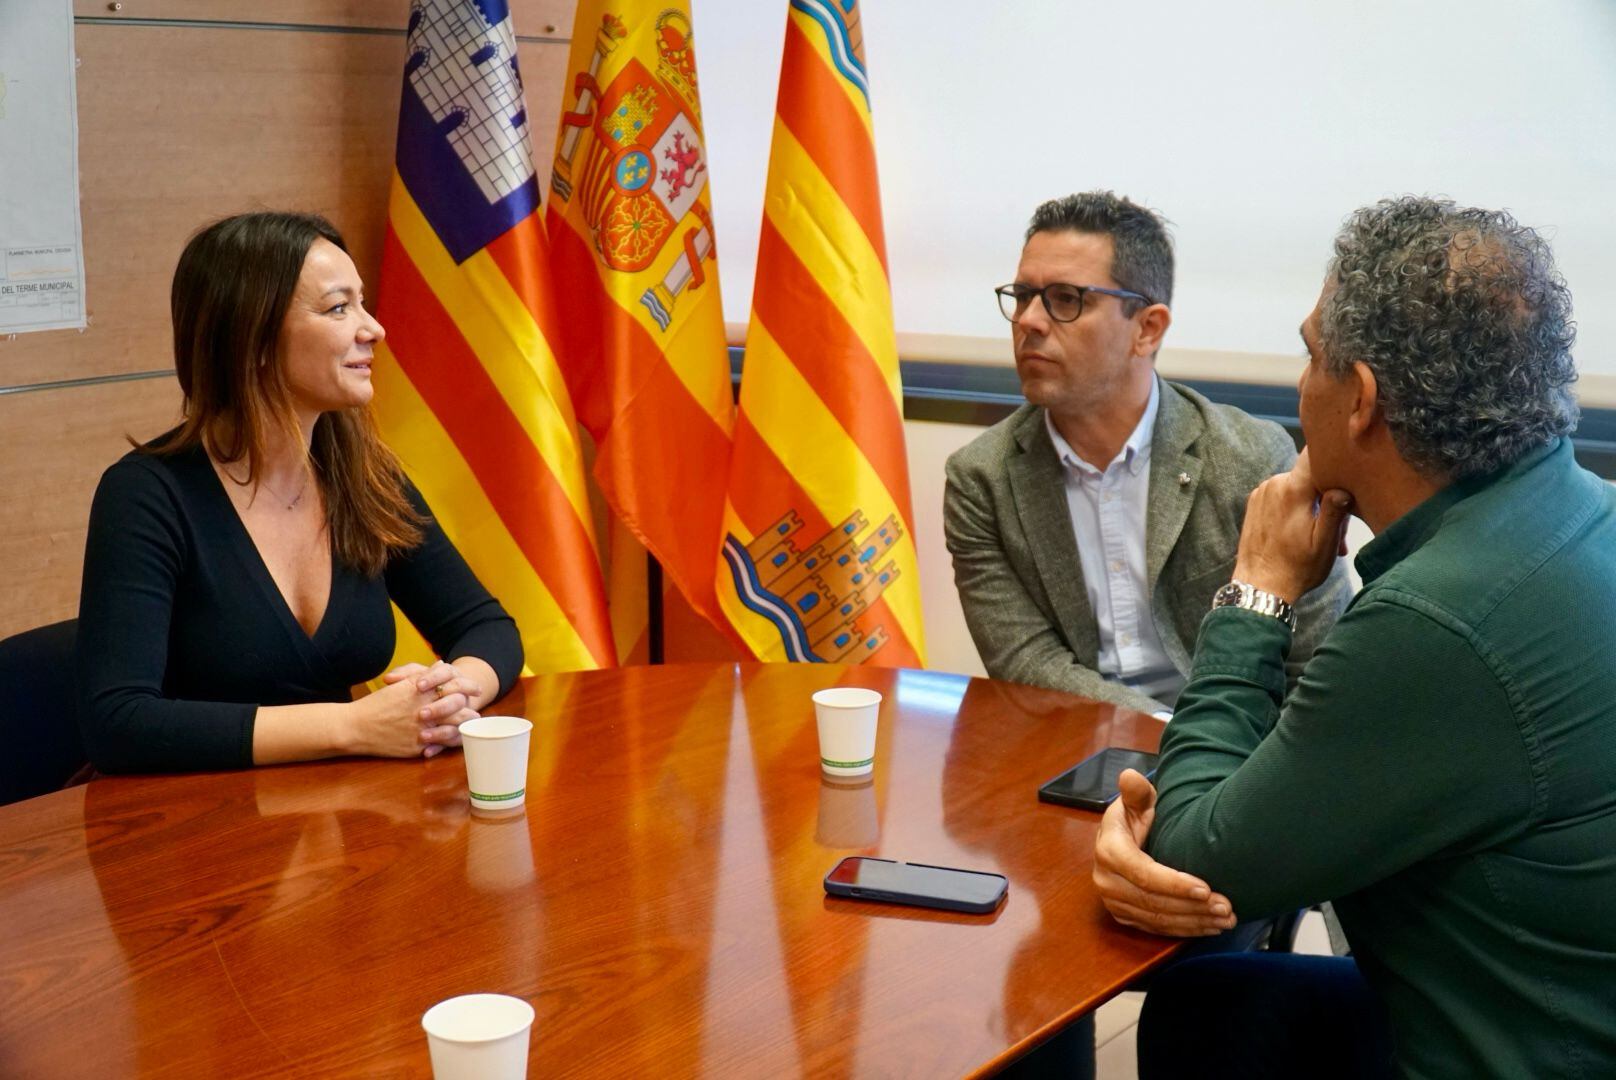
<point>1116,566</point>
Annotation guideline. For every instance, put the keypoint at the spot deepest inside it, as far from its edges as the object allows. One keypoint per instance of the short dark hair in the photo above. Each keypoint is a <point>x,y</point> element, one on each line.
<point>1466,324</point>
<point>1142,250</point>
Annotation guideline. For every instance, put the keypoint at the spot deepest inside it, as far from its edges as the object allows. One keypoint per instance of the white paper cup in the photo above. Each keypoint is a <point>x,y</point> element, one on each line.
<point>479,1037</point>
<point>496,760</point>
<point>847,729</point>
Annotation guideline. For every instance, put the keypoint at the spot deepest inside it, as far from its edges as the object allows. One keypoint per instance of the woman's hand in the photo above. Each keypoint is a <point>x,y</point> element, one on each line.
<point>410,716</point>
<point>417,714</point>
<point>467,675</point>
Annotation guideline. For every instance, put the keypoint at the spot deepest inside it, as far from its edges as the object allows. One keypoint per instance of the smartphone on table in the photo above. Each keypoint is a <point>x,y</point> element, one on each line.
<point>859,877</point>
<point>1092,784</point>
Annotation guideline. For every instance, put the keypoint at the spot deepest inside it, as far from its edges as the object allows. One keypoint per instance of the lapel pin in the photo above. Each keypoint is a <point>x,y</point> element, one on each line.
<point>1183,479</point>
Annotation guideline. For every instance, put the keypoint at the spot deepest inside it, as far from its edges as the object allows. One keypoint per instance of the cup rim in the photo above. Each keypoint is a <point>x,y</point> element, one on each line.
<point>847,697</point>
<point>515,1005</point>
<point>514,725</point>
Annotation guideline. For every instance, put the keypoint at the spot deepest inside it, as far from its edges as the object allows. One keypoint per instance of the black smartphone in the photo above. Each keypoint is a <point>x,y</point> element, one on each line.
<point>1092,784</point>
<point>893,882</point>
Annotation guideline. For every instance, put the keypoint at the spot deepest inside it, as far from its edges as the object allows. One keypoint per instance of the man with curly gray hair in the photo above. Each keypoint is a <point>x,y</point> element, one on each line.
<point>1465,326</point>
<point>1444,768</point>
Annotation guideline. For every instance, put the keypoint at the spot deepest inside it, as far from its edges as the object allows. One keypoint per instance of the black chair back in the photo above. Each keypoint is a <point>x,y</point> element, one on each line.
<point>42,747</point>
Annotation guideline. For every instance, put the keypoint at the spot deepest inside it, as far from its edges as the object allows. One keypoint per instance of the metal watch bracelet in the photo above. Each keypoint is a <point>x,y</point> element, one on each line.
<point>1242,595</point>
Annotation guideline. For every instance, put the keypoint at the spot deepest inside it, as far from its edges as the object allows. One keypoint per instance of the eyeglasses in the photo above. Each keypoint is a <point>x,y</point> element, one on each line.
<point>1063,302</point>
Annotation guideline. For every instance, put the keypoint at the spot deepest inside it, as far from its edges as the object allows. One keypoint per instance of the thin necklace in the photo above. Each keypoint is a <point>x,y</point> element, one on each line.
<point>291,504</point>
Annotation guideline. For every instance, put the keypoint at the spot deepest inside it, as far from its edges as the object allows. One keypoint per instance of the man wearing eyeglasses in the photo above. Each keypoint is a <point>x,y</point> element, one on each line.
<point>1090,528</point>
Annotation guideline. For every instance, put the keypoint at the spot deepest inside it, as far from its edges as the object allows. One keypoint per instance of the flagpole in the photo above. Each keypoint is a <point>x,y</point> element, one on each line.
<point>653,587</point>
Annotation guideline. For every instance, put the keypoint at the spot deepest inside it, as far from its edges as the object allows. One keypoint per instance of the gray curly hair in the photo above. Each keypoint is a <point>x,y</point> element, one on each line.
<point>1466,324</point>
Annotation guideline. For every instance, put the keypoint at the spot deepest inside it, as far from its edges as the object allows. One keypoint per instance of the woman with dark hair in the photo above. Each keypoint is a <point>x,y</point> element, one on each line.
<point>239,568</point>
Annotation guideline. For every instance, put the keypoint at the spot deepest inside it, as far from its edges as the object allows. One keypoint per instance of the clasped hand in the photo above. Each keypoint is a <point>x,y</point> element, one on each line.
<point>418,711</point>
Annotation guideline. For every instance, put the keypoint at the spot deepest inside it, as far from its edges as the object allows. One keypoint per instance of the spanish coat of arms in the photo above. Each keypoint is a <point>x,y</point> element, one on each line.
<point>631,154</point>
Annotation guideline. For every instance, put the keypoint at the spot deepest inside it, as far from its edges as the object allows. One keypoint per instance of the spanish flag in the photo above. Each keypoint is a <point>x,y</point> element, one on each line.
<point>631,234</point>
<point>818,556</point>
<point>468,392</point>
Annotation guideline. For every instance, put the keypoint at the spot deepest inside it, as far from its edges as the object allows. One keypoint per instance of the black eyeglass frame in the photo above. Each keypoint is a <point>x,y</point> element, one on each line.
<point>1017,293</point>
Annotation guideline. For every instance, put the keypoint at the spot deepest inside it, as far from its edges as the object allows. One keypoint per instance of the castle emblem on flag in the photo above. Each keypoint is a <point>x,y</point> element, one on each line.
<point>464,70</point>
<point>464,149</point>
<point>814,598</point>
<point>631,155</point>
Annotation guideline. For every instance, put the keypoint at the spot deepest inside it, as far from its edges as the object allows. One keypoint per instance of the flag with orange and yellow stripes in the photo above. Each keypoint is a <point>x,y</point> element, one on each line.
<point>468,392</point>
<point>631,236</point>
<point>818,557</point>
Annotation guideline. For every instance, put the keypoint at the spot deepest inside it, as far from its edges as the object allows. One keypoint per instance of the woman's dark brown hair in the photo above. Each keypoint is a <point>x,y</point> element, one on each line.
<point>232,288</point>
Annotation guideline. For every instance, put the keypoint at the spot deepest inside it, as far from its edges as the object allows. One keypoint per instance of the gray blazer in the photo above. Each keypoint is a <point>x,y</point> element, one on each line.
<point>1015,555</point>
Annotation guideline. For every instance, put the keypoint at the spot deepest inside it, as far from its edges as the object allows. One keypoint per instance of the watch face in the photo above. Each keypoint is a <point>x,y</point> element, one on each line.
<point>1228,594</point>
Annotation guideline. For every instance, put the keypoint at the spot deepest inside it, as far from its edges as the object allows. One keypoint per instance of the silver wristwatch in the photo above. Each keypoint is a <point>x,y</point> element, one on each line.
<point>1239,594</point>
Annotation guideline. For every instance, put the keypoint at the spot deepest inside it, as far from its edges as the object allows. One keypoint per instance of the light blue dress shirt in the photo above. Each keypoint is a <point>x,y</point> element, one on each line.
<point>1109,508</point>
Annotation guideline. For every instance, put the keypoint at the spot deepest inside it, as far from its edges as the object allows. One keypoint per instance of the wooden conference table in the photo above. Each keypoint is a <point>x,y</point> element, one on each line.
<point>658,901</point>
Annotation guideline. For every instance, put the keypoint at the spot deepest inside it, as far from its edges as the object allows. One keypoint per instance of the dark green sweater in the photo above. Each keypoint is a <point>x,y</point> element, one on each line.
<point>1445,771</point>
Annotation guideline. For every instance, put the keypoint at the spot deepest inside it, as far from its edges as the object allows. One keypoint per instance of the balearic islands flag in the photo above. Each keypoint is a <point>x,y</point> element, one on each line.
<point>467,390</point>
<point>631,235</point>
<point>818,559</point>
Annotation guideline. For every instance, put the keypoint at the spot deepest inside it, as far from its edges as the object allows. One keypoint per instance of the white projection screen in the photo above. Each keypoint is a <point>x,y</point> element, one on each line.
<point>1253,125</point>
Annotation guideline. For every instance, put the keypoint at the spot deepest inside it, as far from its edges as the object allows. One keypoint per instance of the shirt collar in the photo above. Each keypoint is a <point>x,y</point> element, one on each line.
<point>1409,533</point>
<point>1135,453</point>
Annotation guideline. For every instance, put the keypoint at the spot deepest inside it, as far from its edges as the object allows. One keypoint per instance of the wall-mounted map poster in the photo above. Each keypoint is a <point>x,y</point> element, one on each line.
<point>41,239</point>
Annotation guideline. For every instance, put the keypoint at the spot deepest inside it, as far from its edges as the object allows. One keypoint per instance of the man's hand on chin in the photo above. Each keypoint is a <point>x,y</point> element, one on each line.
<point>1292,533</point>
<point>1137,890</point>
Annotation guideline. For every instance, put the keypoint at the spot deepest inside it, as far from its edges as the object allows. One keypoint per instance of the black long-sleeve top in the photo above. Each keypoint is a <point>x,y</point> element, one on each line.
<point>183,633</point>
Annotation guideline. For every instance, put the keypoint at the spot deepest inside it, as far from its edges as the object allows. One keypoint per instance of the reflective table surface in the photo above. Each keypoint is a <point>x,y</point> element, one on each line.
<point>658,900</point>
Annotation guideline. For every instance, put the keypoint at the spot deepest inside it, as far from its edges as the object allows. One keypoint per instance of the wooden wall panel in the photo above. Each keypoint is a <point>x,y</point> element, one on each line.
<point>68,437</point>
<point>180,124</point>
<point>533,17</point>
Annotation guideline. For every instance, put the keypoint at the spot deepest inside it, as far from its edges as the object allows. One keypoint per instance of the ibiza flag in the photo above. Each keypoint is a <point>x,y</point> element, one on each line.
<point>467,388</point>
<point>631,235</point>
<point>818,558</point>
